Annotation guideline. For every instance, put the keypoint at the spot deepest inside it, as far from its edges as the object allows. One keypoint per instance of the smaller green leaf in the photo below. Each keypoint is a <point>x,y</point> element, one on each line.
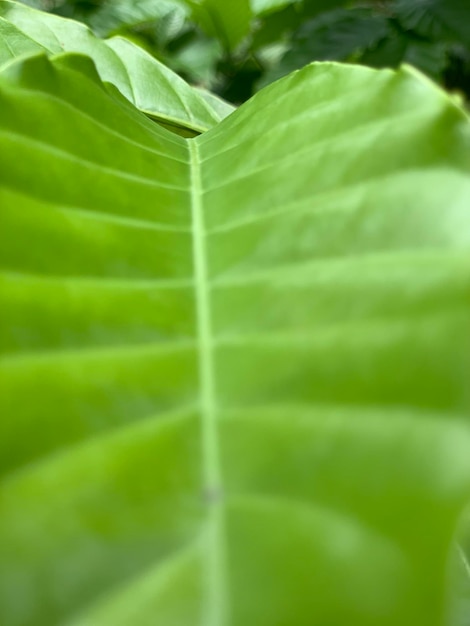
<point>145,82</point>
<point>14,43</point>
<point>218,104</point>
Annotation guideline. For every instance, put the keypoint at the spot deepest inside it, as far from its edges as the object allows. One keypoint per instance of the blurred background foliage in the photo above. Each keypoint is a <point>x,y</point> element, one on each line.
<point>235,47</point>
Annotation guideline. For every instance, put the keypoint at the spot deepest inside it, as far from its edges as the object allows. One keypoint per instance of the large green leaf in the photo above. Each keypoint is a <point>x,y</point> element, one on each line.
<point>149,85</point>
<point>235,367</point>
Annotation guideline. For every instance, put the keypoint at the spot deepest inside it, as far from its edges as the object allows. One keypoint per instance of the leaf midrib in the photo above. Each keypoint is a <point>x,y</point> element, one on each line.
<point>215,604</point>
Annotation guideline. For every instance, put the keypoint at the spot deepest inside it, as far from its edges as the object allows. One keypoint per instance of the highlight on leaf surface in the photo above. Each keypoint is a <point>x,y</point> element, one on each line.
<point>234,367</point>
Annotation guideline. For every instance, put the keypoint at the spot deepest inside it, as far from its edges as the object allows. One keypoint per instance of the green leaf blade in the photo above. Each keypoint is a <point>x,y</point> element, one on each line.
<point>235,373</point>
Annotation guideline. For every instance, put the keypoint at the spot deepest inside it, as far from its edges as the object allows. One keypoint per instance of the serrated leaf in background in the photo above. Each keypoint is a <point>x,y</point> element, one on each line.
<point>333,36</point>
<point>448,20</point>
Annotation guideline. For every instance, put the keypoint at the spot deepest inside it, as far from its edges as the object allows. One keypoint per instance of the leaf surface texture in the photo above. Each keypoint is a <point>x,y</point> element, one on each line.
<point>234,367</point>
